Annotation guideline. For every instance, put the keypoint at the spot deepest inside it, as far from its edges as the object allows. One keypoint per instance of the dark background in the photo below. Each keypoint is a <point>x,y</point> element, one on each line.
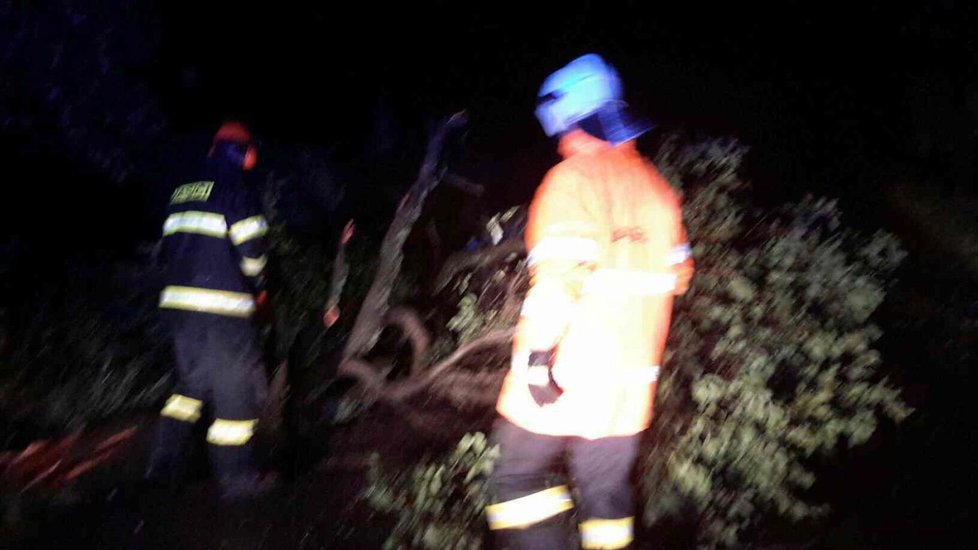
<point>829,95</point>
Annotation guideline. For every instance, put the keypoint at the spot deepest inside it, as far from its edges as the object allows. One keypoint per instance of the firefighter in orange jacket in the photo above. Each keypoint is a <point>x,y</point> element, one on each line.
<point>607,252</point>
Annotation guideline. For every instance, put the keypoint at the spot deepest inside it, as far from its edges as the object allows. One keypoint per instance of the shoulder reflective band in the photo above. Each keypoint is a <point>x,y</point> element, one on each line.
<point>192,221</point>
<point>577,249</point>
<point>678,254</point>
<point>222,302</point>
<point>628,282</point>
<point>231,432</point>
<point>247,229</point>
<point>525,511</point>
<point>606,534</point>
<point>253,266</point>
<point>182,408</point>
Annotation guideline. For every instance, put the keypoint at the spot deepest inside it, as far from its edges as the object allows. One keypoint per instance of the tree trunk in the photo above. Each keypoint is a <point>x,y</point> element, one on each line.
<point>370,319</point>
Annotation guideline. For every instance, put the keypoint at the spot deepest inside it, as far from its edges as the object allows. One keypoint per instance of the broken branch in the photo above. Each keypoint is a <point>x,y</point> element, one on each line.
<point>464,184</point>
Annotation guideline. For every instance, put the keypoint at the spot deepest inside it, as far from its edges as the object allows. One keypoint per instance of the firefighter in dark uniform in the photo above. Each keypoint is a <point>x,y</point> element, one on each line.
<point>213,245</point>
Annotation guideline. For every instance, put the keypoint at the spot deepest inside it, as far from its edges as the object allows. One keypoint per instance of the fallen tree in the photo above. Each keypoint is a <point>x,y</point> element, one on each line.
<point>770,369</point>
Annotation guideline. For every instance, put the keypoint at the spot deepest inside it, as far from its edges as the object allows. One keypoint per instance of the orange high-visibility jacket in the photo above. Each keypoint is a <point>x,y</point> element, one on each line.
<point>607,252</point>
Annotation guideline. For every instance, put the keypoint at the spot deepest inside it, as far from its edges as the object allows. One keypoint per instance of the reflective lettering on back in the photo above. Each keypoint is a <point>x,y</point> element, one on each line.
<point>632,234</point>
<point>198,191</point>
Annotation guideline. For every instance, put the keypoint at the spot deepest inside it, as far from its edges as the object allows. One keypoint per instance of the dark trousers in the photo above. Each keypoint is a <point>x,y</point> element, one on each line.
<point>531,505</point>
<point>220,371</point>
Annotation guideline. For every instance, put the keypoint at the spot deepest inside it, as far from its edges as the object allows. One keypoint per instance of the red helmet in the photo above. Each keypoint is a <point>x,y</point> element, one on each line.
<point>236,132</point>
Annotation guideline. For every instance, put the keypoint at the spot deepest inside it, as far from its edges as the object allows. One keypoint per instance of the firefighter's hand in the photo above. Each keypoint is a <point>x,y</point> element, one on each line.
<point>543,387</point>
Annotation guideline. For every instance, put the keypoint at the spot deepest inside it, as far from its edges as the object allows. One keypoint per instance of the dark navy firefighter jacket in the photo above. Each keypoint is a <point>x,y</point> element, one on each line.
<point>213,243</point>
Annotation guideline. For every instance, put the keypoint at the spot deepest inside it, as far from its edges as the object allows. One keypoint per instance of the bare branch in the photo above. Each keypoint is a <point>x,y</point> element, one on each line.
<point>464,184</point>
<point>404,389</point>
<point>396,392</point>
<point>340,270</point>
<point>470,389</point>
<point>370,377</point>
<point>410,324</point>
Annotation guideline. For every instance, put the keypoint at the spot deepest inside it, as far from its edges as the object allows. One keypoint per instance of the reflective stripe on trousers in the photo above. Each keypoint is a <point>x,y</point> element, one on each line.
<point>606,534</point>
<point>526,511</point>
<point>231,432</point>
<point>183,408</point>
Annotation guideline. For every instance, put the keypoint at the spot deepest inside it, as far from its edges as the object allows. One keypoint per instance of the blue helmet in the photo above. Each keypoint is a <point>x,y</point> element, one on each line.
<point>587,94</point>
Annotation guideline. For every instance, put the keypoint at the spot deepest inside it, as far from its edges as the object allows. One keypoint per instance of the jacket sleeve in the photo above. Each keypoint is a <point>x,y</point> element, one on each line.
<point>247,228</point>
<point>564,244</point>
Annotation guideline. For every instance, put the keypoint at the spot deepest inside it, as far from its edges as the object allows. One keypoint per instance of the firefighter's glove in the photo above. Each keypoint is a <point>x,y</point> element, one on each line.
<point>264,315</point>
<point>540,377</point>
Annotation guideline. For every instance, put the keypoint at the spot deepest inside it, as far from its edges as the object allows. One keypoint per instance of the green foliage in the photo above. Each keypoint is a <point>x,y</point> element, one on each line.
<point>439,505</point>
<point>301,271</point>
<point>489,301</point>
<point>770,359</point>
<point>468,322</point>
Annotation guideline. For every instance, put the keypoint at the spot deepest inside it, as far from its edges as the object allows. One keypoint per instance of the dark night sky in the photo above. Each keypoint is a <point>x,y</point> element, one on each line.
<point>805,81</point>
<point>823,91</point>
<point>308,71</point>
